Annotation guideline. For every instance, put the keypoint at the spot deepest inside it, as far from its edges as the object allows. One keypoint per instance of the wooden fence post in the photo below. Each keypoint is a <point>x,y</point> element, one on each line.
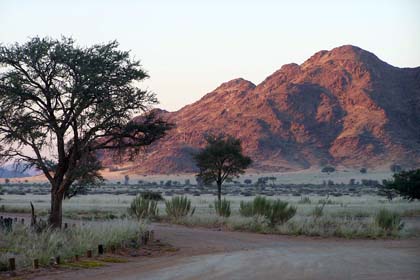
<point>89,253</point>
<point>100,249</point>
<point>35,264</point>
<point>12,264</point>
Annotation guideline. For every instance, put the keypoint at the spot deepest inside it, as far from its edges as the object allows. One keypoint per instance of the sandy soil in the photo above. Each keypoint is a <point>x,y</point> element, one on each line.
<point>214,254</point>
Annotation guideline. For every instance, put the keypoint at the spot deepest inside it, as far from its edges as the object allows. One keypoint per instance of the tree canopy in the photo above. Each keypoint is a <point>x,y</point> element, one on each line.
<point>405,184</point>
<point>65,104</point>
<point>221,159</point>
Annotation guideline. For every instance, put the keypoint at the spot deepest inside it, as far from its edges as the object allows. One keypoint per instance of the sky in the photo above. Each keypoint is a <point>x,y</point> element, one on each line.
<point>190,47</point>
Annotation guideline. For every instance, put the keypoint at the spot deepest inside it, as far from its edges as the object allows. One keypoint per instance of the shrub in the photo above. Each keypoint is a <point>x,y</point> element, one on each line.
<point>157,196</point>
<point>275,212</point>
<point>279,213</point>
<point>260,206</point>
<point>179,206</point>
<point>143,208</point>
<point>222,207</point>
<point>388,220</point>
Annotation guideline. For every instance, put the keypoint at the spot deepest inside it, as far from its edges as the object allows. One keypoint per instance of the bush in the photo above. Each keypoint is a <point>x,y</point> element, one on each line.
<point>279,213</point>
<point>178,207</point>
<point>388,220</point>
<point>157,196</point>
<point>260,206</point>
<point>222,207</point>
<point>143,208</point>
<point>275,212</point>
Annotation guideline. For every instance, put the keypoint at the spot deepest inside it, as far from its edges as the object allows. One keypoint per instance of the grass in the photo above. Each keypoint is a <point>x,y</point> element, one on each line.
<point>83,264</point>
<point>340,216</point>
<point>26,245</point>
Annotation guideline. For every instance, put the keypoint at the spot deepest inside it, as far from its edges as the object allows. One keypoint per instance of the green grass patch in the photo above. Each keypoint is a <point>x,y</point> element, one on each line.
<point>113,260</point>
<point>83,264</point>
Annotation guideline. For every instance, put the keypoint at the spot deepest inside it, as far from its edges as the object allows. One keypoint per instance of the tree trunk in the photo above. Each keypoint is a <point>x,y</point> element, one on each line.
<point>55,218</point>
<point>219,191</point>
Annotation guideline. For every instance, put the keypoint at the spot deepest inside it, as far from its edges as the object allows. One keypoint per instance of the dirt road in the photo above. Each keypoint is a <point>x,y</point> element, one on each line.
<point>212,254</point>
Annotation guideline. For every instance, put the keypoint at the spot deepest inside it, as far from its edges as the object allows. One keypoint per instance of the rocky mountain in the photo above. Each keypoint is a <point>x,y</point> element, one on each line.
<point>341,107</point>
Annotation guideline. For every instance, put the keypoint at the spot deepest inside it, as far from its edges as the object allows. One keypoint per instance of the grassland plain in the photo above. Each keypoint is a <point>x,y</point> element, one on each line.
<point>343,216</point>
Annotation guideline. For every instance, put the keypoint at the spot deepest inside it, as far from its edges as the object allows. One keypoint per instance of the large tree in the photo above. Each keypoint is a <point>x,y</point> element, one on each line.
<point>221,159</point>
<point>62,104</point>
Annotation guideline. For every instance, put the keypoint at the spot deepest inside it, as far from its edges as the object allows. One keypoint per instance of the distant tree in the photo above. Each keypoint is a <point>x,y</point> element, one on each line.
<point>126,180</point>
<point>7,181</point>
<point>395,168</point>
<point>221,160</point>
<point>248,181</point>
<point>363,170</point>
<point>327,169</point>
<point>405,184</point>
<point>73,102</point>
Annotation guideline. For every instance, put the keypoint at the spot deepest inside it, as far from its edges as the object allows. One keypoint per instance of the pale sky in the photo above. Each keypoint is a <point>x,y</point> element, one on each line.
<point>190,47</point>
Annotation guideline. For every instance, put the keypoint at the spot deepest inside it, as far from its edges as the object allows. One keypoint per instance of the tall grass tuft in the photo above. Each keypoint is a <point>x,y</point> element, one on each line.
<point>279,213</point>
<point>258,207</point>
<point>275,212</point>
<point>389,220</point>
<point>222,208</point>
<point>143,208</point>
<point>25,244</point>
<point>178,207</point>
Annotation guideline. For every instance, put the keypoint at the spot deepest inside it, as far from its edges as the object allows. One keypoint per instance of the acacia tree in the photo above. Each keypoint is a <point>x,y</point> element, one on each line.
<point>220,160</point>
<point>66,104</point>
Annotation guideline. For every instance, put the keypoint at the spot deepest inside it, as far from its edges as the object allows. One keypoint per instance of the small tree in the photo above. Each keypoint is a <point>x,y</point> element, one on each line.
<point>221,160</point>
<point>126,180</point>
<point>363,170</point>
<point>328,169</point>
<point>67,104</point>
<point>405,183</point>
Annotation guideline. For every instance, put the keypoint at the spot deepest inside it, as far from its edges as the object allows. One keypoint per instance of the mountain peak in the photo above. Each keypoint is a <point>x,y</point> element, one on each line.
<point>238,84</point>
<point>345,52</point>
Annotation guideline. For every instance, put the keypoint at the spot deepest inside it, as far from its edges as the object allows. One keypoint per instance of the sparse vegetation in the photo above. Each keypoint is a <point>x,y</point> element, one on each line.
<point>222,207</point>
<point>178,207</point>
<point>389,221</point>
<point>142,208</point>
<point>275,212</point>
<point>279,213</point>
<point>25,244</point>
